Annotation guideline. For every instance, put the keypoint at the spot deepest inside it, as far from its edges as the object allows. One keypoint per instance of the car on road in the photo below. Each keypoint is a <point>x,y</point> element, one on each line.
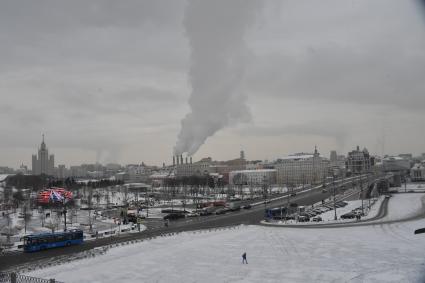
<point>349,215</point>
<point>247,206</point>
<point>324,190</point>
<point>293,194</point>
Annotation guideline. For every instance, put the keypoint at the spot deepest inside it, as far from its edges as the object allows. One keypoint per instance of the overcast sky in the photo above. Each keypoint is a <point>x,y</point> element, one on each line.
<point>108,81</point>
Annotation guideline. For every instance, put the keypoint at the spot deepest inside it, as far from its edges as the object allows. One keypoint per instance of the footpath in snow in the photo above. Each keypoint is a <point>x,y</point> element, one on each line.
<point>378,253</point>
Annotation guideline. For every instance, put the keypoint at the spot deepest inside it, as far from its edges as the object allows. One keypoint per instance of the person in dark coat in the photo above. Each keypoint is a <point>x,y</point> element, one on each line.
<point>244,258</point>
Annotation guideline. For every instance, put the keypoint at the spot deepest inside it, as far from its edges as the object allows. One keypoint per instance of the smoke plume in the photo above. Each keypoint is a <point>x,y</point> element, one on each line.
<point>216,31</point>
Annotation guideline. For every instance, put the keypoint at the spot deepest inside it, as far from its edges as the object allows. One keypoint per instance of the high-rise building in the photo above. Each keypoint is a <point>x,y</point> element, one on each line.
<point>43,163</point>
<point>333,157</point>
<point>359,161</point>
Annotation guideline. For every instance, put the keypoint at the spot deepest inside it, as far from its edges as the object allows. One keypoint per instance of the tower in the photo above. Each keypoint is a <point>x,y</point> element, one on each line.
<point>43,163</point>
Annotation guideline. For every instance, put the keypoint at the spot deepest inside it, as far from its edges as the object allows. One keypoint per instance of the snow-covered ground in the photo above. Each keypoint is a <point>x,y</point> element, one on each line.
<point>380,253</point>
<point>404,205</point>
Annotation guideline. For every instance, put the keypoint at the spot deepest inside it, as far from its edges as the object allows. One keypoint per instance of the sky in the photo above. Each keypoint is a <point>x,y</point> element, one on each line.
<point>111,81</point>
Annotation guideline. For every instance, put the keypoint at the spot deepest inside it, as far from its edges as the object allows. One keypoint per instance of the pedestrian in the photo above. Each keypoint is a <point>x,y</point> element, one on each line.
<point>244,258</point>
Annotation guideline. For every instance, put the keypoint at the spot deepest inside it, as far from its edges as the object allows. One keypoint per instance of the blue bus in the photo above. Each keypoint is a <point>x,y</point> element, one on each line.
<point>38,242</point>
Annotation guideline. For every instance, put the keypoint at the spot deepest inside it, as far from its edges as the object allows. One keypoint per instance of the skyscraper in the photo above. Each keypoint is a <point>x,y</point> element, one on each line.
<point>43,164</point>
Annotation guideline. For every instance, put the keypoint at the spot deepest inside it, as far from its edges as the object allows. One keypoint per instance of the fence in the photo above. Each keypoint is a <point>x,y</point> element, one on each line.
<point>17,278</point>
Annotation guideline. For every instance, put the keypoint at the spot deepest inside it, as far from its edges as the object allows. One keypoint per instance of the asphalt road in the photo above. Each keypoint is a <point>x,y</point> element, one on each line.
<point>248,216</point>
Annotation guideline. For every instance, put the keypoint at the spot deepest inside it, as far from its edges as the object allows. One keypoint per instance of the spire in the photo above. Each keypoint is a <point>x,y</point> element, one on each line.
<point>43,145</point>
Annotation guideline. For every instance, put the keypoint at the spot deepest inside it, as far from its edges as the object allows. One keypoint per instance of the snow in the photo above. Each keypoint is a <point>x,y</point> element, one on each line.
<point>379,253</point>
<point>404,205</point>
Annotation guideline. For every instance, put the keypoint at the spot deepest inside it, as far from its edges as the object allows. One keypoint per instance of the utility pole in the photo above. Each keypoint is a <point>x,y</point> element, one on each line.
<point>334,193</point>
<point>361,192</point>
<point>265,193</point>
<point>147,203</point>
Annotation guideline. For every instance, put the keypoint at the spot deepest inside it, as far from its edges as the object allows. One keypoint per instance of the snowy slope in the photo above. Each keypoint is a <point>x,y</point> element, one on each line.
<point>380,253</point>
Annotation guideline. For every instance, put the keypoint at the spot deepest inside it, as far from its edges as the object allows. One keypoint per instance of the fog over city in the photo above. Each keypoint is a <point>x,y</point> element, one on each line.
<point>112,82</point>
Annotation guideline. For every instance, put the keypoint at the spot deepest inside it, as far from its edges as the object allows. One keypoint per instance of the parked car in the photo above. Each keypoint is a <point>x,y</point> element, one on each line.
<point>193,214</point>
<point>342,203</point>
<point>348,215</point>
<point>303,218</point>
<point>317,219</point>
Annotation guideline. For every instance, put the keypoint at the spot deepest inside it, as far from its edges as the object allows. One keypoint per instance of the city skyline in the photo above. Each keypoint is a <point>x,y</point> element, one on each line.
<point>43,150</point>
<point>330,74</point>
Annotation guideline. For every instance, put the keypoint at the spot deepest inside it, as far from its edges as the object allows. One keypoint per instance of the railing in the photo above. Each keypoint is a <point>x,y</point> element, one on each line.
<point>17,278</point>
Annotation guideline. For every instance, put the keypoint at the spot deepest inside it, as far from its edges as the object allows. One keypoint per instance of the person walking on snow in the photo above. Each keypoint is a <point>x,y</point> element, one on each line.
<point>244,258</point>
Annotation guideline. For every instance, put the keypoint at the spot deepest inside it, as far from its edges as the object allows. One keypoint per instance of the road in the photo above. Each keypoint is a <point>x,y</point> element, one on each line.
<point>250,216</point>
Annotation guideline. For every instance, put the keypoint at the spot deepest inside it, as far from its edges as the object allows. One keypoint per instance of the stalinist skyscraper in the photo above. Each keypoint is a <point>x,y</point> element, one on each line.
<point>44,164</point>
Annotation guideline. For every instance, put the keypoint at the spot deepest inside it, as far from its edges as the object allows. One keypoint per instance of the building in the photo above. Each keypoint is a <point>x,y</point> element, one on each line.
<point>202,167</point>
<point>302,168</point>
<point>252,177</point>
<point>333,157</point>
<point>417,173</point>
<point>43,163</point>
<point>407,156</point>
<point>396,164</point>
<point>359,161</point>
<point>62,172</point>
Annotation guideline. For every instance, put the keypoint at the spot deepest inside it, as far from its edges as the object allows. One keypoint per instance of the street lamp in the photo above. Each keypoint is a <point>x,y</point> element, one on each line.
<point>265,192</point>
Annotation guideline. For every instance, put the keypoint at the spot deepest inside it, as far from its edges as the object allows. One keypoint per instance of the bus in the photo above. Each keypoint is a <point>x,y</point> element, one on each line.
<point>38,242</point>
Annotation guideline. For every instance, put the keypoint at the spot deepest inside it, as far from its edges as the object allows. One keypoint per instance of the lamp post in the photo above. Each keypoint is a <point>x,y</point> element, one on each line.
<point>265,192</point>
<point>64,211</point>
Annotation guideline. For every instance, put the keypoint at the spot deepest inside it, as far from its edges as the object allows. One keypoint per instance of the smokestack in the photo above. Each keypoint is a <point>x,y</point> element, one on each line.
<point>181,159</point>
<point>186,159</point>
<point>178,160</point>
<point>191,160</point>
<point>174,161</point>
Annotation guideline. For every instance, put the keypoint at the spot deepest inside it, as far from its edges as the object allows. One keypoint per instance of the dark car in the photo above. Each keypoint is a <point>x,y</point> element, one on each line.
<point>293,194</point>
<point>303,218</point>
<point>248,206</point>
<point>349,215</point>
<point>174,216</point>
<point>317,219</point>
